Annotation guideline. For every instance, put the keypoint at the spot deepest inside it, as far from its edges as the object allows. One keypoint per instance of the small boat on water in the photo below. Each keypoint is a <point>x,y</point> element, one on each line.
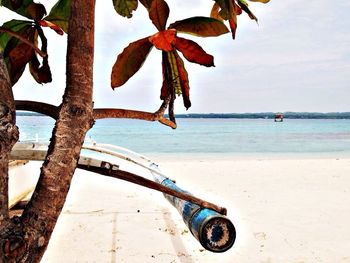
<point>279,117</point>
<point>207,222</point>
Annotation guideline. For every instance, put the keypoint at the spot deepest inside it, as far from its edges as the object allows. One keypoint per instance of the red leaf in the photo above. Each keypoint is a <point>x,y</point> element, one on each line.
<point>233,26</point>
<point>215,12</point>
<point>18,54</point>
<point>185,87</point>
<point>130,61</point>
<point>237,9</point>
<point>193,52</point>
<point>159,13</point>
<point>51,25</point>
<point>18,59</point>
<point>146,3</point>
<point>164,40</point>
<point>164,92</point>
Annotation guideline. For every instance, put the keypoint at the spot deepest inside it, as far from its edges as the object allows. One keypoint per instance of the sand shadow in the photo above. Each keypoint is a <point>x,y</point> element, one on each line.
<point>114,239</point>
<point>182,254</point>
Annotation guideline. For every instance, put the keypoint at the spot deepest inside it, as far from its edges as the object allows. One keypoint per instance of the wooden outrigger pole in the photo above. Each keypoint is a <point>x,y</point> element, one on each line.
<point>207,222</point>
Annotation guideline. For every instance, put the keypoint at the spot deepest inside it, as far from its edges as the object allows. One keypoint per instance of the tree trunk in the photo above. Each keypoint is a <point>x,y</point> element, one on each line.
<point>8,137</point>
<point>33,230</point>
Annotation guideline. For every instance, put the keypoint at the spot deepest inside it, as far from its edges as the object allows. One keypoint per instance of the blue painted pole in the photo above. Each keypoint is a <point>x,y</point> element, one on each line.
<point>214,231</point>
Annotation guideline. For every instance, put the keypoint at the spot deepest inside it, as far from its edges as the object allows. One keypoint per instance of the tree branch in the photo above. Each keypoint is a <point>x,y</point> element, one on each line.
<point>52,111</point>
<point>24,40</point>
<point>134,114</point>
<point>39,107</point>
<point>136,179</point>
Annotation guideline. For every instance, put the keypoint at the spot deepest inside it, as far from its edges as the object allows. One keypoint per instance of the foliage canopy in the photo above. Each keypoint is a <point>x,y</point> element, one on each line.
<point>175,77</point>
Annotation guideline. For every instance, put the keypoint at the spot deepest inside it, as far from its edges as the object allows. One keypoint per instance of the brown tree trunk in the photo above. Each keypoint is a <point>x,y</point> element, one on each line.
<point>8,137</point>
<point>33,230</point>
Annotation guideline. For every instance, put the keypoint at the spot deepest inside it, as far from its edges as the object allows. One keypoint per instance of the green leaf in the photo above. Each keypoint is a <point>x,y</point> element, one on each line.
<point>125,7</point>
<point>15,26</point>
<point>130,61</point>
<point>173,80</point>
<point>26,8</point>
<point>200,26</point>
<point>59,14</point>
<point>159,13</point>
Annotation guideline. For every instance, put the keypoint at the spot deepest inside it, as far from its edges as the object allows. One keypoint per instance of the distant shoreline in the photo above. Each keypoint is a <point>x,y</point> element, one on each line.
<point>258,115</point>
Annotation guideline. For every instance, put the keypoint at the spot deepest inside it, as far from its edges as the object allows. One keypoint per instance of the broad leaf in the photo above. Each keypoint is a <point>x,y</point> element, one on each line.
<point>125,7</point>
<point>183,76</point>
<point>193,52</point>
<point>159,13</point>
<point>26,8</point>
<point>201,26</point>
<point>59,14</point>
<point>164,40</point>
<point>130,61</point>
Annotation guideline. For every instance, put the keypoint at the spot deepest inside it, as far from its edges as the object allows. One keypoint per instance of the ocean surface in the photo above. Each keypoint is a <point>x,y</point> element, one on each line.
<point>211,136</point>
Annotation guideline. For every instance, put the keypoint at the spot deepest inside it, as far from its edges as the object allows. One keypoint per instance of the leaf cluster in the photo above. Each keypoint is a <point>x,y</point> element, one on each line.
<point>19,40</point>
<point>175,76</point>
<point>229,10</point>
<point>18,53</point>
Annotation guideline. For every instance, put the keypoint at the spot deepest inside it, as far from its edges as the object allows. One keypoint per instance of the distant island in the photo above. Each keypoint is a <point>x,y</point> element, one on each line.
<point>258,115</point>
<point>29,113</point>
<point>268,115</point>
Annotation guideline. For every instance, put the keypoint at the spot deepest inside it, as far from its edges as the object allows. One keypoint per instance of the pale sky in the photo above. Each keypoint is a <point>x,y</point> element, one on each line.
<point>296,59</point>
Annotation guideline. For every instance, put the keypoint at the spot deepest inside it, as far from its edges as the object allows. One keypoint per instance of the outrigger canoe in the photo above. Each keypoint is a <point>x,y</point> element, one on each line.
<point>207,222</point>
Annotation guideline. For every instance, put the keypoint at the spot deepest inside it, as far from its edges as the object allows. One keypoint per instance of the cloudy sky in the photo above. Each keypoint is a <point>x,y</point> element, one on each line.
<point>296,59</point>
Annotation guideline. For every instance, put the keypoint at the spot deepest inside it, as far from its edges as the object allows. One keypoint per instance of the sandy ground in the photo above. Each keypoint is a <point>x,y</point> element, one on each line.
<point>285,210</point>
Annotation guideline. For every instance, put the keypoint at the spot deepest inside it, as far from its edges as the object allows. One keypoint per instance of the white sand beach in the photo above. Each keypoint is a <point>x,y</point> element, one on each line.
<point>285,210</point>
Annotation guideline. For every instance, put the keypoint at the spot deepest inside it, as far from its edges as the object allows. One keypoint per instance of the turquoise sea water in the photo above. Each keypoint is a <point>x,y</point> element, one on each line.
<point>211,136</point>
